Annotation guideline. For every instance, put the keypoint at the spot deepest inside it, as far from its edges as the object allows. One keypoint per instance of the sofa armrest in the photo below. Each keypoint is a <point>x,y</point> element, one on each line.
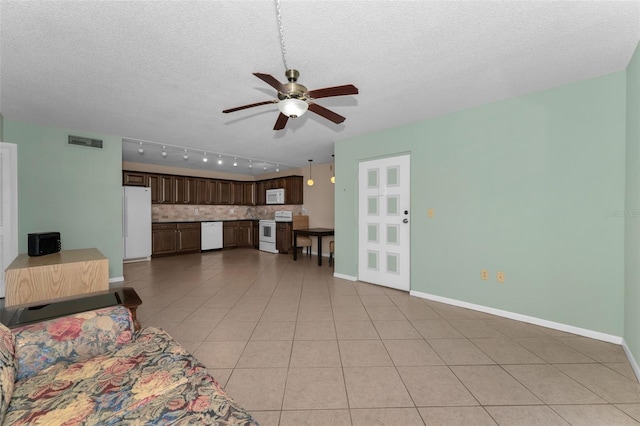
<point>70,339</point>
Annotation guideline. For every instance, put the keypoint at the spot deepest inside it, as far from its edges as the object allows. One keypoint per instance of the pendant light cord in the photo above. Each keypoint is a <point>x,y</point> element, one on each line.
<point>284,50</point>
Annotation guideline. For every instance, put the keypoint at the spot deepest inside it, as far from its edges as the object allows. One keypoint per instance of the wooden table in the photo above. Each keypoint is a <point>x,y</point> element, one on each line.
<point>28,314</point>
<point>32,279</point>
<point>311,232</point>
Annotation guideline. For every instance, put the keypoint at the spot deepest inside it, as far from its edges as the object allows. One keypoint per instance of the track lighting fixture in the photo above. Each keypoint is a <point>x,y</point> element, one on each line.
<point>154,148</point>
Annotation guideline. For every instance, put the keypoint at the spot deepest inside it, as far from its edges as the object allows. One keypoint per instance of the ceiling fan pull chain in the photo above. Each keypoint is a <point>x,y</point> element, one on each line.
<point>284,51</point>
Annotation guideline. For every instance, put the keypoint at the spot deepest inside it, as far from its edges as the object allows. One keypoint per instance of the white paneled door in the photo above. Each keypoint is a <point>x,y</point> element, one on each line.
<point>384,222</point>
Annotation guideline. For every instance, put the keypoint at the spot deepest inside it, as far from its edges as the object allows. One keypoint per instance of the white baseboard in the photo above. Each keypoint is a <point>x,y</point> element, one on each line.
<point>138,259</point>
<point>345,277</point>
<point>524,318</point>
<point>632,360</point>
<point>116,279</point>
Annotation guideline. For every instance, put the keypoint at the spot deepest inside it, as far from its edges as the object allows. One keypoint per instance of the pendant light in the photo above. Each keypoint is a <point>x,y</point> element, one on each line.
<point>310,182</point>
<point>333,167</point>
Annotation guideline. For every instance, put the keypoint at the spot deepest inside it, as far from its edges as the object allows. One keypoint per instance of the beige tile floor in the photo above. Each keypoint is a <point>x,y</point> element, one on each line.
<point>296,346</point>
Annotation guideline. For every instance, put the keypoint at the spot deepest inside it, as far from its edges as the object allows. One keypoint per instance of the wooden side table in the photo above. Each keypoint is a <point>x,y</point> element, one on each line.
<point>32,279</point>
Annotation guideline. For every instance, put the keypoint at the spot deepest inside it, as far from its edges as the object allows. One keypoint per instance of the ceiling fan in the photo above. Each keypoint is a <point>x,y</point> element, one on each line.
<point>294,99</point>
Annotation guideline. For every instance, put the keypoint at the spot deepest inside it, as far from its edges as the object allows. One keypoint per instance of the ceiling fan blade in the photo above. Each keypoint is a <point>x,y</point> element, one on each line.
<point>271,81</point>
<point>273,101</point>
<point>326,113</point>
<point>281,122</point>
<point>347,89</point>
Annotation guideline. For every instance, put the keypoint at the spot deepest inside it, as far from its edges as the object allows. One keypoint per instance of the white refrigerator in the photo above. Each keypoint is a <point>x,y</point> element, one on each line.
<point>136,223</point>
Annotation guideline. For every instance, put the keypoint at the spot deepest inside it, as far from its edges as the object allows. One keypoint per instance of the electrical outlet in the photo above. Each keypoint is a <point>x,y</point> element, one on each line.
<point>196,211</point>
<point>430,213</point>
<point>484,274</point>
<point>500,277</point>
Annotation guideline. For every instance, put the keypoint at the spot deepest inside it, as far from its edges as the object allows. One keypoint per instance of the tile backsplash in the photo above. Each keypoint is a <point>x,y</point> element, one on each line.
<point>200,213</point>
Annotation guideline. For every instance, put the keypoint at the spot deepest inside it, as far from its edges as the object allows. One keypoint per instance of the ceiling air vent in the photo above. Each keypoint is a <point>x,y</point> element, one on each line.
<point>91,143</point>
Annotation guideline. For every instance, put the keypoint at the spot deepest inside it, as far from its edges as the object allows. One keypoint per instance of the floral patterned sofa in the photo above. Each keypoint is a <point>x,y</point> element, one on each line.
<point>91,368</point>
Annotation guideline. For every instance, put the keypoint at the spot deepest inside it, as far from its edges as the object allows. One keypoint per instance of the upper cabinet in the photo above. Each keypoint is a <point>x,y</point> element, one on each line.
<point>169,189</point>
<point>161,188</point>
<point>134,179</point>
<point>206,191</point>
<point>184,190</point>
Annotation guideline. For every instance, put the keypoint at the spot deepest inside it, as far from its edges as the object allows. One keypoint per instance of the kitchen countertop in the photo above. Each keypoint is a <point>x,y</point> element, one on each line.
<point>206,220</point>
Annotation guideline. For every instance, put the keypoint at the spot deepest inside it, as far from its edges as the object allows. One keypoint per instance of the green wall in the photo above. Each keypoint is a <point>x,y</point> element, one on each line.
<point>526,186</point>
<point>632,207</point>
<point>70,189</point>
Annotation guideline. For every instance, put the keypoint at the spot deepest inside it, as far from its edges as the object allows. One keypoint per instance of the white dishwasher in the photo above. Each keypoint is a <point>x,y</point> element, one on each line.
<point>211,235</point>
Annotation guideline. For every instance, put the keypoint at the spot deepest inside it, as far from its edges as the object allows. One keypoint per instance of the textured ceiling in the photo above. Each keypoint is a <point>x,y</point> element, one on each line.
<point>164,71</point>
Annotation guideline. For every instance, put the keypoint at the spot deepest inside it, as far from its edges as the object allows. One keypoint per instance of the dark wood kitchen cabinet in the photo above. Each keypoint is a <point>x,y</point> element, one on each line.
<point>284,237</point>
<point>245,233</point>
<point>172,238</point>
<point>207,191</point>
<point>248,193</point>
<point>229,232</point>
<point>134,179</point>
<point>261,193</point>
<point>188,236</point>
<point>225,192</point>
<point>184,190</point>
<point>163,238</point>
<point>237,193</point>
<point>293,190</point>
<point>161,189</point>
<point>171,189</point>
<point>256,234</point>
<point>237,234</point>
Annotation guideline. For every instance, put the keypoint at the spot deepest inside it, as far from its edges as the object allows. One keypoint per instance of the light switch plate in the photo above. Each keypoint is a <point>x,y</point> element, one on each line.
<point>500,277</point>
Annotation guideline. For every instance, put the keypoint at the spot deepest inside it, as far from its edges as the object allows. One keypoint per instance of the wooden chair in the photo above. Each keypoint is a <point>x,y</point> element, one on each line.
<point>331,245</point>
<point>302,222</point>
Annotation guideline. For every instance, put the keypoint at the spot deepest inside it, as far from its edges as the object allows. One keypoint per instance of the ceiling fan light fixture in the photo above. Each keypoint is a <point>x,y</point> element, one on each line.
<point>204,158</point>
<point>141,150</point>
<point>186,155</point>
<point>164,152</point>
<point>293,108</point>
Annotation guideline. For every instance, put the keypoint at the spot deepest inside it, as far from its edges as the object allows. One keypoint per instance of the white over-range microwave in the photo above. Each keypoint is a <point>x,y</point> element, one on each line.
<point>275,196</point>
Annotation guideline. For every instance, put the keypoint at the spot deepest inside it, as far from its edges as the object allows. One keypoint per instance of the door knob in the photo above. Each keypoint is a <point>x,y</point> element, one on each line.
<point>405,220</point>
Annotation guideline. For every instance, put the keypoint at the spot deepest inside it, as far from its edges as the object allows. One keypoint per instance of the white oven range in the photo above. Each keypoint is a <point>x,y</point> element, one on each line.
<point>268,236</point>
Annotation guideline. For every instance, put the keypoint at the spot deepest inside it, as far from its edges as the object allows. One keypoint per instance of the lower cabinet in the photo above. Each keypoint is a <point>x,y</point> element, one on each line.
<point>188,237</point>
<point>256,234</point>
<point>174,238</point>
<point>163,238</point>
<point>229,232</point>
<point>284,237</point>
<point>237,234</point>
